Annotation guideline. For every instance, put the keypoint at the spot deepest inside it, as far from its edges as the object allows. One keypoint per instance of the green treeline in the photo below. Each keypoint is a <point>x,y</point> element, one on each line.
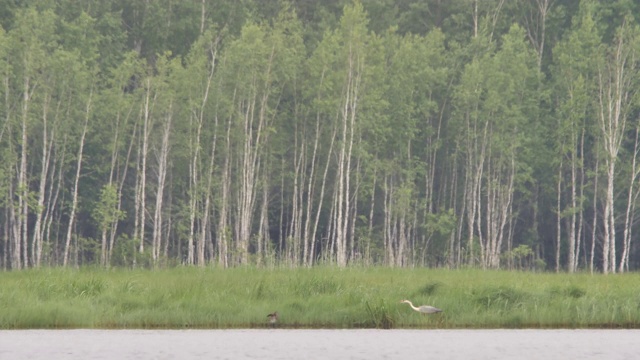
<point>493,134</point>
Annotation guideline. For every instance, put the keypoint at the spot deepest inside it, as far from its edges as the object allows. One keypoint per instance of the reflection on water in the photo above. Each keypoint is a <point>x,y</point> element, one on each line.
<point>319,344</point>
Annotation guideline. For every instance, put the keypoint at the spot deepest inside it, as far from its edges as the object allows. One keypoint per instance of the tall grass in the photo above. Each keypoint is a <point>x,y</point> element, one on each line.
<point>322,297</point>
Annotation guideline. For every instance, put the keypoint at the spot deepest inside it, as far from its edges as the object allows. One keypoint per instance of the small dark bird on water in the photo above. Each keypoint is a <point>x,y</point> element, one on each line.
<point>273,318</point>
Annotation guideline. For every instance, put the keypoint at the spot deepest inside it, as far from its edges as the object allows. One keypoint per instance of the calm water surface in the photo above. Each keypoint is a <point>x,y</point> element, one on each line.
<point>320,344</point>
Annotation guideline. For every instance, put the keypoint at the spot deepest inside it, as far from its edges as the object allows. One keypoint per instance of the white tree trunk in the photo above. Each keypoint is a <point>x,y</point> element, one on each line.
<point>163,158</point>
<point>632,195</point>
<point>615,94</point>
<point>47,145</point>
<point>74,202</point>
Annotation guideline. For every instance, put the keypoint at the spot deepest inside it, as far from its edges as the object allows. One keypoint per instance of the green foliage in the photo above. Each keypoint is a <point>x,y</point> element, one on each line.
<point>523,256</point>
<point>87,288</point>
<point>125,252</point>
<point>317,286</point>
<point>106,210</point>
<point>502,297</point>
<point>380,316</point>
<point>321,297</point>
<point>429,289</point>
<point>440,112</point>
<point>575,292</point>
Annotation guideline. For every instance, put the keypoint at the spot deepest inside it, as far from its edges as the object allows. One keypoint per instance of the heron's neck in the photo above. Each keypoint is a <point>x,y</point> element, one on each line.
<point>413,307</point>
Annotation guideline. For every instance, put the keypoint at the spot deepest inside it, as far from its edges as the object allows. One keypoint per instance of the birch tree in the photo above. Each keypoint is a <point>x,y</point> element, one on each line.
<point>255,91</point>
<point>201,86</point>
<point>289,149</point>
<point>575,76</point>
<point>631,167</point>
<point>319,93</point>
<point>417,80</point>
<point>535,20</point>
<point>352,37</point>
<point>168,75</point>
<point>631,201</point>
<point>30,43</point>
<point>253,88</point>
<point>118,108</point>
<point>615,94</point>
<point>78,167</point>
<point>495,97</point>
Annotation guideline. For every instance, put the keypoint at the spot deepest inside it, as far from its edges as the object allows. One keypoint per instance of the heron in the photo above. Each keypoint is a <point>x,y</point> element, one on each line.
<point>423,309</point>
<point>273,318</point>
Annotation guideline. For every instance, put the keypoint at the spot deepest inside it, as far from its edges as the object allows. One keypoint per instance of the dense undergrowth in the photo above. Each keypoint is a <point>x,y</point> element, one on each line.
<point>321,297</point>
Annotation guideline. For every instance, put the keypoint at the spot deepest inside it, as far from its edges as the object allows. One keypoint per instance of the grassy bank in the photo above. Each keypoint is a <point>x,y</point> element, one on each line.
<point>315,298</point>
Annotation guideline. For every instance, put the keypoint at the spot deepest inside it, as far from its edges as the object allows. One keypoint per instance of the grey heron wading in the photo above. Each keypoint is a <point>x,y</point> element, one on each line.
<point>423,309</point>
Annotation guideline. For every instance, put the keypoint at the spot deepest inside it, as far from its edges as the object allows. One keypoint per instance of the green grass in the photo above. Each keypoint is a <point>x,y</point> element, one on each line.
<point>321,297</point>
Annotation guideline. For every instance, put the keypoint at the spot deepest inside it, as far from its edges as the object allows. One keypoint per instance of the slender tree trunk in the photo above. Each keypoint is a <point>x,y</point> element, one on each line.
<point>354,214</point>
<point>455,243</point>
<point>372,205</point>
<point>20,239</point>
<point>74,202</point>
<point>312,230</point>
<point>536,25</point>
<point>308,240</point>
<point>573,219</point>
<point>498,211</point>
<point>163,159</point>
<point>476,146</point>
<point>194,145</point>
<point>144,151</point>
<point>321,199</point>
<point>263,228</point>
<point>53,192</point>
<point>594,222</point>
<point>122,180</point>
<point>51,212</point>
<point>47,145</point>
<point>203,13</point>
<point>295,225</point>
<point>629,213</point>
<point>615,94</point>
<point>476,18</point>
<point>247,182</point>
<point>348,122</point>
<point>389,245</point>
<point>559,218</point>
<point>223,221</point>
<point>255,110</point>
<point>16,227</point>
<point>207,197</point>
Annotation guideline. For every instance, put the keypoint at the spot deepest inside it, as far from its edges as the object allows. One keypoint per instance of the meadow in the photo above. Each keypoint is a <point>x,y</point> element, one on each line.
<point>320,297</point>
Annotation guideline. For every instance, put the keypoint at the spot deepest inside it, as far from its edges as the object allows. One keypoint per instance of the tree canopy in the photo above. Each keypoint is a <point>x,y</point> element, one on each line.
<point>493,134</point>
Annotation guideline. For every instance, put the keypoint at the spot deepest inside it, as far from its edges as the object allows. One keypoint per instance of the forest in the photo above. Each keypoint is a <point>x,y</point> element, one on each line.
<point>493,134</point>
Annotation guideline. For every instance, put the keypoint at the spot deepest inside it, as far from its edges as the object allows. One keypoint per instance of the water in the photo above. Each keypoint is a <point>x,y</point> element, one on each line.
<point>319,344</point>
